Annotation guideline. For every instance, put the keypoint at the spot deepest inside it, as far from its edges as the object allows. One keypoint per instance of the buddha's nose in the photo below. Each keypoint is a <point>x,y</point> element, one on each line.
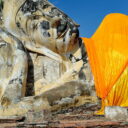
<point>75,30</point>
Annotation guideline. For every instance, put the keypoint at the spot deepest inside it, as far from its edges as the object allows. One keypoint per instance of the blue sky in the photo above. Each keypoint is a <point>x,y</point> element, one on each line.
<point>90,13</point>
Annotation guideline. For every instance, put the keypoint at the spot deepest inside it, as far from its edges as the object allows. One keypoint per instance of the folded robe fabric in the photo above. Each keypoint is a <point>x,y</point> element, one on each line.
<point>108,55</point>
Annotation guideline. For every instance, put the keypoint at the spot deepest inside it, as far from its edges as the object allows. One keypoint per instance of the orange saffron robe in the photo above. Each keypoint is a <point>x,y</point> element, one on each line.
<point>108,56</point>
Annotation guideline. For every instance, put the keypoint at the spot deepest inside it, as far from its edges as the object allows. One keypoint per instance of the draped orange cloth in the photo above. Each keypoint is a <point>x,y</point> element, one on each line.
<point>108,56</point>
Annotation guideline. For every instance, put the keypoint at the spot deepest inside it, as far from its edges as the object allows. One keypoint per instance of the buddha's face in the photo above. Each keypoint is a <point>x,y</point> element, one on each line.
<point>47,25</point>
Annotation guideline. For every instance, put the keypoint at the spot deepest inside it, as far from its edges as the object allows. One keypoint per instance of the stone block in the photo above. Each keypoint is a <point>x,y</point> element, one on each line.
<point>116,113</point>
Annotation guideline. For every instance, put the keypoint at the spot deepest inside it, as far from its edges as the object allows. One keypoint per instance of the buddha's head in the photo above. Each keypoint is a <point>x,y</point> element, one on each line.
<point>46,25</point>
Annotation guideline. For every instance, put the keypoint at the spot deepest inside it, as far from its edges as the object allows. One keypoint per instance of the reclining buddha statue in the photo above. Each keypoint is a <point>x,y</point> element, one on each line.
<point>38,52</point>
